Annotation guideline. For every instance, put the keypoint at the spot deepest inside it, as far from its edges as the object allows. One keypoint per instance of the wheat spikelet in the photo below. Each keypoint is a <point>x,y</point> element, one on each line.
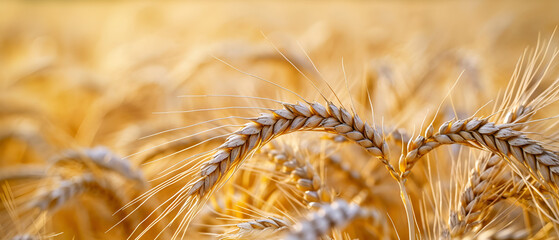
<point>103,158</point>
<point>268,223</point>
<point>355,176</point>
<point>336,215</point>
<point>301,173</point>
<point>268,228</point>
<point>55,198</point>
<point>51,200</point>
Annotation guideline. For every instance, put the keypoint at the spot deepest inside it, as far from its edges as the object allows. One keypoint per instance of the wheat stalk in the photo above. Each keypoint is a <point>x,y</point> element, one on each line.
<point>241,144</point>
<point>294,117</point>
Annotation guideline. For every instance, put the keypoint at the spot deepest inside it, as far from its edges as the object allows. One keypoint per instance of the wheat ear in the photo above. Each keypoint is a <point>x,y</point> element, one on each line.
<point>53,199</point>
<point>306,177</point>
<point>335,161</point>
<point>257,229</point>
<point>273,223</point>
<point>103,158</point>
<point>355,176</point>
<point>301,173</point>
<point>499,139</point>
<point>335,215</point>
<point>481,193</point>
<point>488,185</point>
<point>261,130</point>
<point>485,188</point>
<point>294,117</point>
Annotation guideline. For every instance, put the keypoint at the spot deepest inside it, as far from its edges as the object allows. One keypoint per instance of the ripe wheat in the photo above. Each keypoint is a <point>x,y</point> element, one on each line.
<point>89,115</point>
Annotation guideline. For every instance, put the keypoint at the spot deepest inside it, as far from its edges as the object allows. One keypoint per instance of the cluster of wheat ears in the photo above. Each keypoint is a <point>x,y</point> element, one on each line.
<point>276,139</point>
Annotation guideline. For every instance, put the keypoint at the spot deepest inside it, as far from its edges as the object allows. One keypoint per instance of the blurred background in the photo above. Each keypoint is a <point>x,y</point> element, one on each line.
<point>90,78</point>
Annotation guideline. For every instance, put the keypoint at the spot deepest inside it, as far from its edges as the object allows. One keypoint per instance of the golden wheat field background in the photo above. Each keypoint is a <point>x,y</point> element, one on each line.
<point>279,120</point>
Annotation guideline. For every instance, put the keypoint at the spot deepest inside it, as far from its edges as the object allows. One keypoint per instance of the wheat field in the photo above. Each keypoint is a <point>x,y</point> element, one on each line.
<point>279,120</point>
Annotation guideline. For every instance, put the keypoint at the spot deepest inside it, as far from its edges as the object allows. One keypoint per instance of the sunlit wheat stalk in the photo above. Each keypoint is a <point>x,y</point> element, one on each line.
<point>294,117</point>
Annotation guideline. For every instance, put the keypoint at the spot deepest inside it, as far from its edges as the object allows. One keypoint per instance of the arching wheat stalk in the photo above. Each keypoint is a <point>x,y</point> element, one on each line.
<point>241,144</point>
